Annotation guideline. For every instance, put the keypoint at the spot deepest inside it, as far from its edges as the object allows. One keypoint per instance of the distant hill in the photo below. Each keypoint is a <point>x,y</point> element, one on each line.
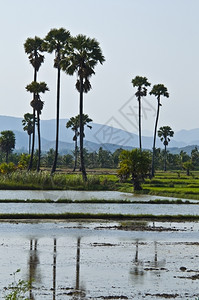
<point>105,136</point>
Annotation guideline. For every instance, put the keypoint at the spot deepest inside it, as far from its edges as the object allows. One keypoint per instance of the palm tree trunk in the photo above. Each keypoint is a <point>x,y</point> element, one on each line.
<point>29,146</point>
<point>81,126</point>
<point>140,131</point>
<point>154,139</point>
<point>39,142</point>
<point>75,165</point>
<point>165,157</point>
<point>57,122</point>
<point>33,133</point>
<point>33,143</point>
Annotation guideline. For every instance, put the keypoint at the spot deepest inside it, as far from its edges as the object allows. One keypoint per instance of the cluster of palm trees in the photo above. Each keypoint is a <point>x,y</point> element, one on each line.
<point>158,90</point>
<point>74,55</point>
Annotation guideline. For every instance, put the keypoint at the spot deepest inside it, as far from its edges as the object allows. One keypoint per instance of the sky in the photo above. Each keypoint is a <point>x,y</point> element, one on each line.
<point>158,39</point>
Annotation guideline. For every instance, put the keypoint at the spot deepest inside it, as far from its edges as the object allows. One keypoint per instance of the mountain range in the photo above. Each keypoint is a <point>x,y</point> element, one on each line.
<point>105,136</point>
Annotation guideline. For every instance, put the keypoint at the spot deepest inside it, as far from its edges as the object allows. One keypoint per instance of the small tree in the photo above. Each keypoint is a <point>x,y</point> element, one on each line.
<point>165,133</point>
<point>74,124</point>
<point>28,125</point>
<point>134,163</point>
<point>7,142</point>
<point>188,166</point>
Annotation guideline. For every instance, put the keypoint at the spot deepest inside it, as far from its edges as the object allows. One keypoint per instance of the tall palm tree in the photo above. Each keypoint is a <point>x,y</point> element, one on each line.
<point>141,83</point>
<point>36,88</point>
<point>73,123</point>
<point>158,90</point>
<point>33,47</point>
<point>165,133</point>
<point>84,55</point>
<point>27,123</point>
<point>56,40</point>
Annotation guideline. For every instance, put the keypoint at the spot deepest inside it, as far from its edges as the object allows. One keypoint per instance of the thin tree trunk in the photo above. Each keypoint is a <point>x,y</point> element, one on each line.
<point>78,266</point>
<point>29,146</point>
<point>154,139</point>
<point>6,156</point>
<point>165,157</point>
<point>75,165</point>
<point>39,142</point>
<point>81,126</point>
<point>140,131</point>
<point>33,134</point>
<point>57,122</point>
<point>33,143</point>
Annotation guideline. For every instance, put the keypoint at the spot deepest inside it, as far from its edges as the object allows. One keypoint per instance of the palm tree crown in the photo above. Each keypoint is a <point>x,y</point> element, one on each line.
<point>165,133</point>
<point>159,90</point>
<point>33,47</point>
<point>82,57</point>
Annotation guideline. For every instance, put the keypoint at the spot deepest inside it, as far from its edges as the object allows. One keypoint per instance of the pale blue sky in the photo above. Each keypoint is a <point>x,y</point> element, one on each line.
<point>158,39</point>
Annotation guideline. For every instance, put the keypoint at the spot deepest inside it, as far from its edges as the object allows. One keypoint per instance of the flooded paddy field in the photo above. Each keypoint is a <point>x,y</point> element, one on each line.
<point>102,260</point>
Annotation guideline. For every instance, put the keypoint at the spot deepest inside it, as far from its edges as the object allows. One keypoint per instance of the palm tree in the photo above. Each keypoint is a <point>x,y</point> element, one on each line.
<point>158,90</point>
<point>84,55</point>
<point>73,123</point>
<point>33,47</point>
<point>141,83</point>
<point>56,40</point>
<point>165,133</point>
<point>27,123</point>
<point>36,88</point>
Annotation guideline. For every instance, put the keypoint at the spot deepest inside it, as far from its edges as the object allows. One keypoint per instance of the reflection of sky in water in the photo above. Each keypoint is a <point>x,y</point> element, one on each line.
<point>75,195</point>
<point>96,208</point>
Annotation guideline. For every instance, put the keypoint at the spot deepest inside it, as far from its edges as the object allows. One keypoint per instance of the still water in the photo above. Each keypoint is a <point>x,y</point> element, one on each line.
<point>75,195</point>
<point>92,261</point>
<point>94,208</point>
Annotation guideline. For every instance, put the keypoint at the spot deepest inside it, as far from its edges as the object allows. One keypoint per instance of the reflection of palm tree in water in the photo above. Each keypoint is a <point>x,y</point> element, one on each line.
<point>79,292</point>
<point>54,268</point>
<point>33,262</point>
<point>137,269</point>
<point>157,264</point>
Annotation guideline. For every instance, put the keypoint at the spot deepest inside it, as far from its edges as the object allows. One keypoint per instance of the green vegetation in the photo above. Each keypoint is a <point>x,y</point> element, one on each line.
<point>17,289</point>
<point>101,216</point>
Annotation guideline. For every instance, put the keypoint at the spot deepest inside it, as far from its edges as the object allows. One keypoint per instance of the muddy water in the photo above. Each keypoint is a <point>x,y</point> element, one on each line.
<point>96,261</point>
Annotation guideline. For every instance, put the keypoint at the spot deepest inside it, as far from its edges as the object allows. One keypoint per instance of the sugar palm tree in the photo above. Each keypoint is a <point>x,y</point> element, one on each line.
<point>55,41</point>
<point>85,53</point>
<point>27,123</point>
<point>33,47</point>
<point>165,133</point>
<point>141,83</point>
<point>158,90</point>
<point>36,88</point>
<point>73,123</point>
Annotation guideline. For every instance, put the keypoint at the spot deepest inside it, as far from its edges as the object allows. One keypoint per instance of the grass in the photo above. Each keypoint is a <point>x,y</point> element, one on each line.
<point>99,201</point>
<point>82,216</point>
<point>171,184</point>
